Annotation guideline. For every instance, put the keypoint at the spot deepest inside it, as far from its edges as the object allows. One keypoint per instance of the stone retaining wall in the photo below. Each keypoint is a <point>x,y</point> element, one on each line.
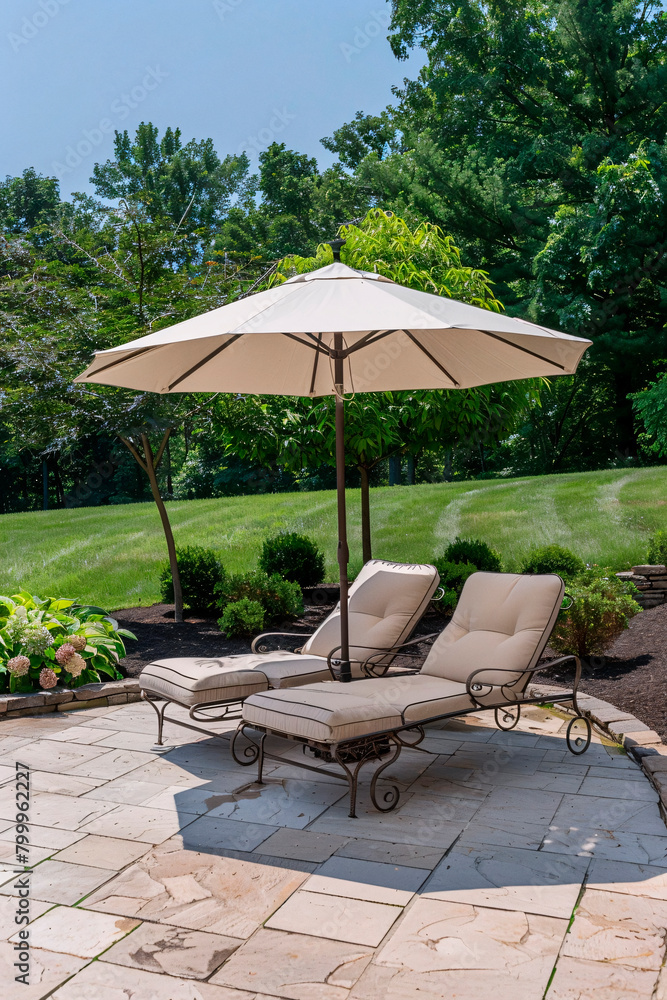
<point>650,581</point>
<point>65,699</point>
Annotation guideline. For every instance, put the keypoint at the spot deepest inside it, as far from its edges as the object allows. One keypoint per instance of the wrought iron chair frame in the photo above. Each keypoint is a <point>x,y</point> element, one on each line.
<point>232,706</point>
<point>360,751</point>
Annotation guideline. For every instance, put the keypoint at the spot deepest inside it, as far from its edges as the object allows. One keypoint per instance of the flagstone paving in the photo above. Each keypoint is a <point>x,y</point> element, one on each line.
<point>510,870</point>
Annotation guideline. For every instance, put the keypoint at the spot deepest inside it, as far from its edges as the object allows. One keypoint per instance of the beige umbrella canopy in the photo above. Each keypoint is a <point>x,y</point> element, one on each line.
<point>338,330</point>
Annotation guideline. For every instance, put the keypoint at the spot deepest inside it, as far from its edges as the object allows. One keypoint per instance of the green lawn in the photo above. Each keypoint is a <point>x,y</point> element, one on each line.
<point>111,555</point>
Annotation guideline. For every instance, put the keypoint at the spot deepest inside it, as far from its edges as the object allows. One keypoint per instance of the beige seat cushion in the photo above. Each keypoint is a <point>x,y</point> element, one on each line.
<point>416,697</point>
<point>326,713</point>
<point>385,601</point>
<point>193,681</point>
<point>502,620</point>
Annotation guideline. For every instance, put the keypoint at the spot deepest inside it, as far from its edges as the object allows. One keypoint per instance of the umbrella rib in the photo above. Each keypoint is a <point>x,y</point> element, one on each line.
<point>203,361</point>
<point>370,338</point>
<point>304,343</point>
<point>525,350</point>
<point>431,358</point>
<point>315,361</point>
<point>128,357</point>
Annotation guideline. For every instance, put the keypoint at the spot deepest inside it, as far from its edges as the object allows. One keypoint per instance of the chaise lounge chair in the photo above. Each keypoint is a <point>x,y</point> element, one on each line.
<point>385,603</point>
<point>483,659</point>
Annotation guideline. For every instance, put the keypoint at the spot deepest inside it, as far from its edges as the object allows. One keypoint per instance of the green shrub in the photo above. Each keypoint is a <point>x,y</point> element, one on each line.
<point>294,557</point>
<point>244,617</point>
<point>49,641</point>
<point>278,598</point>
<point>475,551</point>
<point>553,559</point>
<point>601,610</point>
<point>657,549</point>
<point>453,575</point>
<point>199,570</point>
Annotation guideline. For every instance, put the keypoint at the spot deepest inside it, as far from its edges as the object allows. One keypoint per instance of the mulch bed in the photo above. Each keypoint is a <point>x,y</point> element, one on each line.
<point>633,673</point>
<point>631,676</point>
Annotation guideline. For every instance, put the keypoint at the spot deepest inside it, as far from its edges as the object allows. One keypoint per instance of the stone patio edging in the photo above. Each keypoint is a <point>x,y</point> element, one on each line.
<point>61,699</point>
<point>642,743</point>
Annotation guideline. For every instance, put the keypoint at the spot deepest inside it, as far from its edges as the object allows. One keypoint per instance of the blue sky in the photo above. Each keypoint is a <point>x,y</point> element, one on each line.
<point>244,72</point>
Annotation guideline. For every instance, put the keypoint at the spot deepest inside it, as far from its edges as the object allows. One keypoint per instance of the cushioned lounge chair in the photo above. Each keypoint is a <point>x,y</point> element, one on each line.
<point>483,659</point>
<point>385,603</point>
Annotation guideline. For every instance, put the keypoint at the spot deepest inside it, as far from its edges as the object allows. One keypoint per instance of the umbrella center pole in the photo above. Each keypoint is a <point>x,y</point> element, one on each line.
<point>343,551</point>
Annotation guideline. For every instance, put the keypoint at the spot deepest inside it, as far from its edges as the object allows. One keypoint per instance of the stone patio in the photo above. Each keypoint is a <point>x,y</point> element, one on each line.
<point>510,869</point>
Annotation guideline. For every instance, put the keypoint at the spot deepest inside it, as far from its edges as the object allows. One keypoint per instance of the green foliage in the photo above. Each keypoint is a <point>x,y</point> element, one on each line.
<point>553,559</point>
<point>34,629</point>
<point>650,406</point>
<point>243,617</point>
<point>657,549</point>
<point>601,611</point>
<point>293,556</point>
<point>473,551</point>
<point>185,183</point>
<point>453,574</point>
<point>279,598</point>
<point>200,570</point>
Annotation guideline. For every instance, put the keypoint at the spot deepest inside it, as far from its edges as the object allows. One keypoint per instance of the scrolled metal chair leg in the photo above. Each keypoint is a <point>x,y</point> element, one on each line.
<point>507,718</point>
<point>251,751</point>
<point>578,744</point>
<point>159,708</point>
<point>391,794</point>
<point>352,780</point>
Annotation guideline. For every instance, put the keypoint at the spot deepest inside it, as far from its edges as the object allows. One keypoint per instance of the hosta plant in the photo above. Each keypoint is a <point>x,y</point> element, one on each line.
<point>49,641</point>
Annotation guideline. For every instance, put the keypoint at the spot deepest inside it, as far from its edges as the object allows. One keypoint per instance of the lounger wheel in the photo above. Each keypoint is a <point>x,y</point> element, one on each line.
<point>578,735</point>
<point>507,718</point>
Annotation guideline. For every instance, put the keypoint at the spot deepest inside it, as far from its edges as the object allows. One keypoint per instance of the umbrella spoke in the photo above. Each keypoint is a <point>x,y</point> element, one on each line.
<point>205,360</point>
<point>431,358</point>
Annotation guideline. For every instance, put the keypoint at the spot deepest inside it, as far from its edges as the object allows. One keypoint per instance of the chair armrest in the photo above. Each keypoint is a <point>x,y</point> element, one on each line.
<point>368,663</point>
<point>257,648</point>
<point>475,688</point>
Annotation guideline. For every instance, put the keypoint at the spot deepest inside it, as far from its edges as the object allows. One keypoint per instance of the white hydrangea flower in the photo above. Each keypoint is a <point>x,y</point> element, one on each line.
<point>36,638</point>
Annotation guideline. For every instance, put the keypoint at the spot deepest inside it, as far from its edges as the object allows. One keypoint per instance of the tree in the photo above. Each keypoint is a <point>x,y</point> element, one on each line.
<point>512,120</point>
<point>188,184</point>
<point>90,287</point>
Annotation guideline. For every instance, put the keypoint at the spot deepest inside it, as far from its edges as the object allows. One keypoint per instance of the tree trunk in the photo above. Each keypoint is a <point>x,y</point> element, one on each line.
<point>394,470</point>
<point>149,466</point>
<point>170,485</point>
<point>45,485</point>
<point>626,438</point>
<point>365,515</point>
<point>447,470</point>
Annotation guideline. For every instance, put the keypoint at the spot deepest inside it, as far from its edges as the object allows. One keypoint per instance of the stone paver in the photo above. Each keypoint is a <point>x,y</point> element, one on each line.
<point>103,852</point>
<point>342,918</point>
<point>509,879</point>
<point>628,930</point>
<point>61,882</point>
<point>199,891</point>
<point>68,930</point>
<point>174,950</point>
<point>508,865</point>
<point>274,962</point>
<point>438,942</point>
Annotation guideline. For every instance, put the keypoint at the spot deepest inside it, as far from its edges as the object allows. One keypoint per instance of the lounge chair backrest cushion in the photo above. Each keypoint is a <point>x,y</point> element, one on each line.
<point>502,620</point>
<point>386,601</point>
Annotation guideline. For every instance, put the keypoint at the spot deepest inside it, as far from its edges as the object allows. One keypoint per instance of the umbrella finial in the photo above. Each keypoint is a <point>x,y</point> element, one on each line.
<point>336,246</point>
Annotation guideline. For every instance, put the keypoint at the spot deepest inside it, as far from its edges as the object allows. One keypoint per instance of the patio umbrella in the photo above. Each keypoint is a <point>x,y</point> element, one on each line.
<point>337,330</point>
